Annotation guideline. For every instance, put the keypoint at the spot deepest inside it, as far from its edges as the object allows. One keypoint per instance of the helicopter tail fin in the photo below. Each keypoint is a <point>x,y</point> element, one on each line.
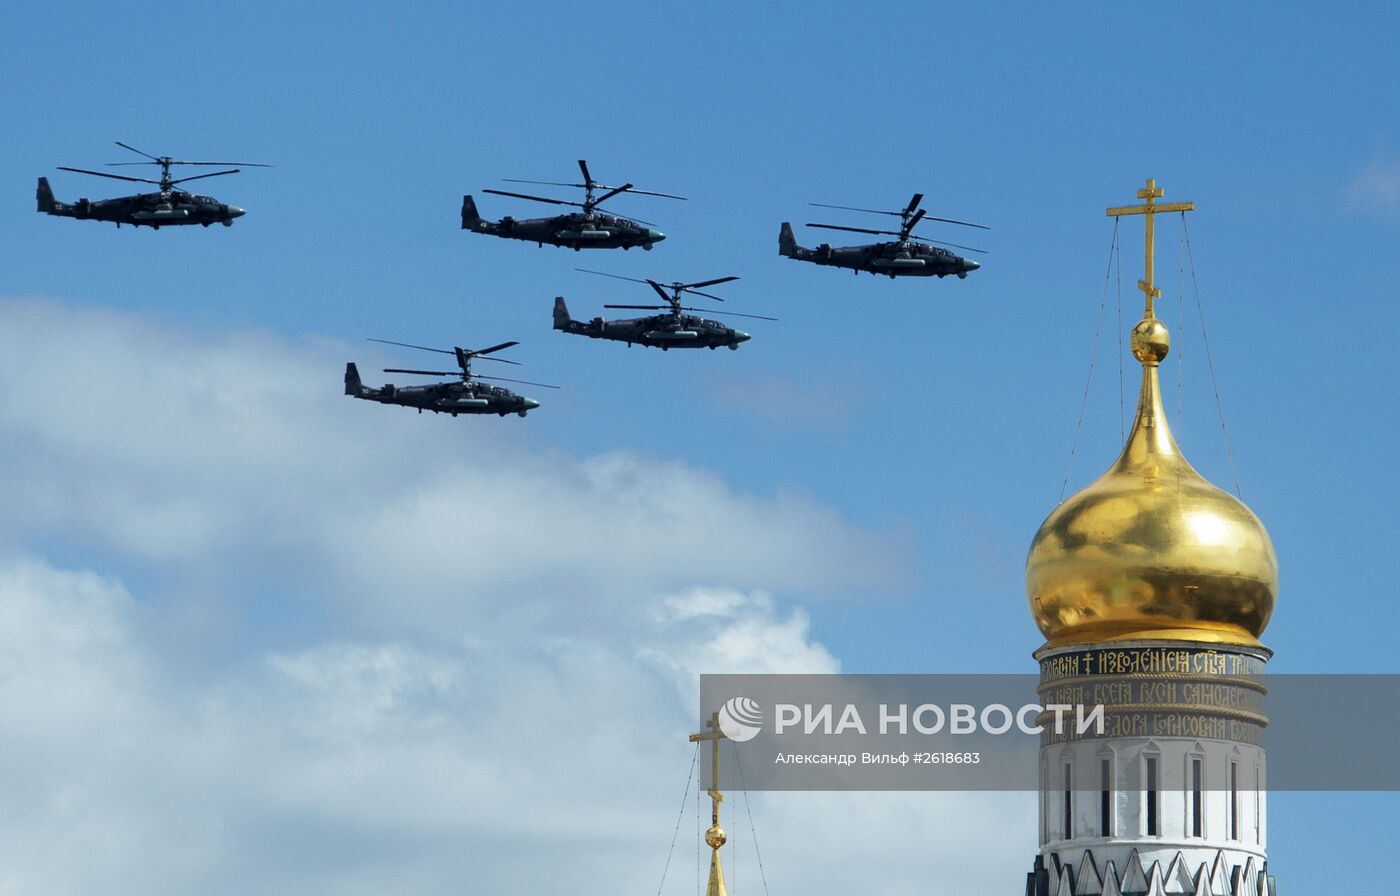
<point>561,314</point>
<point>45,195</point>
<point>352,379</point>
<point>470,216</point>
<point>787,243</point>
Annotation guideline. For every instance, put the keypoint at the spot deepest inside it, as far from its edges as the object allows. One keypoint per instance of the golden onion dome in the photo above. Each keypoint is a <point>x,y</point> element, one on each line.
<point>1151,550</point>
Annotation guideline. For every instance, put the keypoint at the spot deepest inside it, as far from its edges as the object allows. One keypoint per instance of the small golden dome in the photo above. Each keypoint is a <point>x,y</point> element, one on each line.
<point>1151,551</point>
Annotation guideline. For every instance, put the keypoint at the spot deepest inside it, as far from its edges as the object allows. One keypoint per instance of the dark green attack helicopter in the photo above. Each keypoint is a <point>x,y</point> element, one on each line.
<point>587,229</point>
<point>664,331</point>
<point>168,207</point>
<point>466,396</point>
<point>906,256</point>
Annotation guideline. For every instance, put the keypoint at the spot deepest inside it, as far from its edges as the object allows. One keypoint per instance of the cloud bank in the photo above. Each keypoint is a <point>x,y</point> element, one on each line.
<point>256,636</point>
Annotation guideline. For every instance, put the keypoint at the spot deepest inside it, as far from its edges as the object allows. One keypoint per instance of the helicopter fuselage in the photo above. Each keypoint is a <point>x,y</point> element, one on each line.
<point>663,331</point>
<point>906,258</point>
<point>470,397</point>
<point>155,210</point>
<point>576,231</point>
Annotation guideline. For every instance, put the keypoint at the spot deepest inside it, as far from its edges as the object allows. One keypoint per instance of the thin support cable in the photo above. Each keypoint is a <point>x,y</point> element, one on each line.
<point>698,838</point>
<point>1122,407</point>
<point>1093,356</point>
<point>1181,314</point>
<point>1210,363</point>
<point>753,832</point>
<point>685,798</point>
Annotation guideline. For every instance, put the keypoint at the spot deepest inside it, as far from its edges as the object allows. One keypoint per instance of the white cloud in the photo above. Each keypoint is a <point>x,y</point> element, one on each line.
<point>494,660</point>
<point>1376,187</point>
<point>201,452</point>
<point>361,767</point>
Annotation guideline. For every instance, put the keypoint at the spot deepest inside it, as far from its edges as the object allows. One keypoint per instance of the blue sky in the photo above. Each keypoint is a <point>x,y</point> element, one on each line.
<point>856,487</point>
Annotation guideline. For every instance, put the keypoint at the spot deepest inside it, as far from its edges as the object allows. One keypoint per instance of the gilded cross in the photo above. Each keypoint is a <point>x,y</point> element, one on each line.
<point>1150,208</point>
<point>714,736</point>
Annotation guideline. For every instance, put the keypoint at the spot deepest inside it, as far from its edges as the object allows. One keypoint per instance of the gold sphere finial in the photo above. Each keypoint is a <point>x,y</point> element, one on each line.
<point>1151,340</point>
<point>715,837</point>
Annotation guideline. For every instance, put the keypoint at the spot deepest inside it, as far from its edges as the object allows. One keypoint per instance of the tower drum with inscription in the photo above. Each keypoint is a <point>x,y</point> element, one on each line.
<point>1152,587</point>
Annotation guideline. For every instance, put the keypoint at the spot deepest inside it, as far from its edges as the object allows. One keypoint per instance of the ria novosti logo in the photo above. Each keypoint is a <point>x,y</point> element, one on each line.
<point>741,719</point>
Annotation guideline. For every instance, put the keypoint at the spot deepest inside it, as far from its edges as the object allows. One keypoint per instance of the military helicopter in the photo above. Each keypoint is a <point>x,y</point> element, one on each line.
<point>588,229</point>
<point>907,256</point>
<point>166,208</point>
<point>663,331</point>
<point>465,397</point>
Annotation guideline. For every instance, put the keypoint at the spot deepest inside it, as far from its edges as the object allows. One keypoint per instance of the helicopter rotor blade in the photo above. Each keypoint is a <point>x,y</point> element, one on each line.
<point>640,307</point>
<point>159,160</point>
<point>560,183</point>
<point>691,286</point>
<point>244,164</point>
<point>137,151</point>
<point>654,193</point>
<point>198,176</point>
<point>139,180</point>
<point>909,210</point>
<point>856,229</point>
<point>699,293</point>
<point>547,183</point>
<point>423,372</point>
<point>534,198</point>
<point>963,223</point>
<point>910,223</point>
<point>612,191</point>
<point>614,276</point>
<point>661,291</point>
<point>486,351</point>
<point>441,351</point>
<point>849,208</point>
<point>631,189</point>
<point>727,313</point>
<point>509,380</point>
<point>587,178</point>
